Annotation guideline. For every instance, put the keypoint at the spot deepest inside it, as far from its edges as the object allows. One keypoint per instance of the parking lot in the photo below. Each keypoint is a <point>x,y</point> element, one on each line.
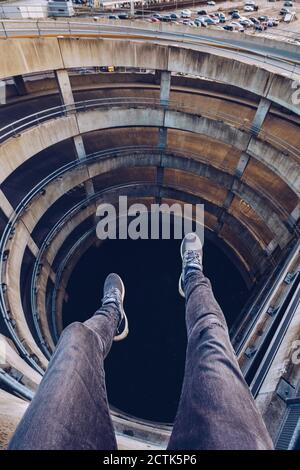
<point>270,9</point>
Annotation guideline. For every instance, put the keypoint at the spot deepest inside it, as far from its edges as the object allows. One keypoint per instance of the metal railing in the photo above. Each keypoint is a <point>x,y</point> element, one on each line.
<point>16,127</point>
<point>263,300</point>
<point>241,48</point>
<point>276,336</point>
<point>119,151</point>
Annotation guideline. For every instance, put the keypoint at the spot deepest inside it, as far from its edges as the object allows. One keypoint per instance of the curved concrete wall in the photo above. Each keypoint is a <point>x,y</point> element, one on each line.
<point>247,176</point>
<point>44,54</point>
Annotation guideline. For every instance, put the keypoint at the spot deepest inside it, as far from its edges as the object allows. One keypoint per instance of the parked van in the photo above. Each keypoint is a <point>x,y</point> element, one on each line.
<point>60,8</point>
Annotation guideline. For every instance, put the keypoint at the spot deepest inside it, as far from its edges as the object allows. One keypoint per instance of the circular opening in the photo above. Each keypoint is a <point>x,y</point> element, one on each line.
<point>144,373</point>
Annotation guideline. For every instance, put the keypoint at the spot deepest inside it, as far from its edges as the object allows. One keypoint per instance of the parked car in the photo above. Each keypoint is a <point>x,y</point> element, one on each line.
<point>233,11</point>
<point>215,18</point>
<point>246,23</point>
<point>123,16</point>
<point>228,27</point>
<point>113,17</point>
<point>248,8</point>
<point>288,4</point>
<point>211,2</point>
<point>284,11</point>
<point>208,20</point>
<point>174,16</point>
<point>237,26</point>
<point>262,26</point>
<point>221,16</point>
<point>202,12</point>
<point>263,18</point>
<point>157,15</point>
<point>235,16</point>
<point>186,14</point>
<point>166,18</point>
<point>275,21</point>
<point>199,21</point>
<point>254,20</point>
<point>154,20</point>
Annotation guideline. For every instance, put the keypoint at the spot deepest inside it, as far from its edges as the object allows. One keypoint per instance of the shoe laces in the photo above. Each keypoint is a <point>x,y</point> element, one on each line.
<point>192,257</point>
<point>112,295</point>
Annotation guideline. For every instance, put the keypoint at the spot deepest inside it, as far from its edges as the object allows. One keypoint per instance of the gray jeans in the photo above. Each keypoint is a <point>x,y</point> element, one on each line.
<point>216,410</point>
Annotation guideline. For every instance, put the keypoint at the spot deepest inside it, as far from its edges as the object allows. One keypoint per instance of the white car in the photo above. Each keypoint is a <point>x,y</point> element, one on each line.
<point>237,26</point>
<point>248,8</point>
<point>186,14</point>
<point>210,2</point>
<point>208,20</point>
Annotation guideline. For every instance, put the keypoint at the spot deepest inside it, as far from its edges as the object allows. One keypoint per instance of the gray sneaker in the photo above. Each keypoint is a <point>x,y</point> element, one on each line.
<point>191,254</point>
<point>114,292</point>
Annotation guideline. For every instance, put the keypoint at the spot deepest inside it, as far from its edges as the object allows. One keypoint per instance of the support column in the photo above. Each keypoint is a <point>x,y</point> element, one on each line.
<point>164,95</point>
<point>67,97</point>
<point>132,7</point>
<point>260,116</point>
<point>64,86</point>
<point>20,85</point>
<point>165,86</point>
<point>241,166</point>
<point>294,216</point>
<point>79,147</point>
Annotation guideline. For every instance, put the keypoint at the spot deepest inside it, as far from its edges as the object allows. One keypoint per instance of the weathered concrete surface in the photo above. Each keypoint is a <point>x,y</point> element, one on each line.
<point>29,55</point>
<point>11,411</point>
<point>16,150</point>
<point>31,378</point>
<point>12,279</point>
<point>195,179</point>
<point>64,85</point>
<point>41,286</point>
<point>271,406</point>
<point>32,55</point>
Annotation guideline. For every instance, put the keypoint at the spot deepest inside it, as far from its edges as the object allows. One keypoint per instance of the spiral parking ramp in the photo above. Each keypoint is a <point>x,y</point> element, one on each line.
<point>180,117</point>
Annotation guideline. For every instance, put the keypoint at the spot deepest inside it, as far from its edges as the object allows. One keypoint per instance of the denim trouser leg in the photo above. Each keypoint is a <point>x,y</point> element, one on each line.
<point>216,409</point>
<point>70,408</point>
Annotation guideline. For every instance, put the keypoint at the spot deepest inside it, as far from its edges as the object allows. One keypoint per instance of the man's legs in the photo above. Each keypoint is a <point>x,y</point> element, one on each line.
<point>70,408</point>
<point>216,409</point>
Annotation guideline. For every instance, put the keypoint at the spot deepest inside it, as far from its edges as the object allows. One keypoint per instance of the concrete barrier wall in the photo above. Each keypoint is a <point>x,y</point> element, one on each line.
<point>44,54</point>
<point>19,149</point>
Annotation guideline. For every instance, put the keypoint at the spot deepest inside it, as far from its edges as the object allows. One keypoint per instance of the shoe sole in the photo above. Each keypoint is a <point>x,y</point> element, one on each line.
<point>125,332</point>
<point>181,292</point>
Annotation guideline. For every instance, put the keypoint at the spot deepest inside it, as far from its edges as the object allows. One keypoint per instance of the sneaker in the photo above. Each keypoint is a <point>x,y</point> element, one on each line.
<point>191,254</point>
<point>114,292</point>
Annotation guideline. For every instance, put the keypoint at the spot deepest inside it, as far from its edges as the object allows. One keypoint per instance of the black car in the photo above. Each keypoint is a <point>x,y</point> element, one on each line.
<point>174,16</point>
<point>235,16</point>
<point>166,18</point>
<point>228,27</point>
<point>113,17</point>
<point>202,12</point>
<point>254,20</point>
<point>284,11</point>
<point>123,16</point>
<point>263,18</point>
